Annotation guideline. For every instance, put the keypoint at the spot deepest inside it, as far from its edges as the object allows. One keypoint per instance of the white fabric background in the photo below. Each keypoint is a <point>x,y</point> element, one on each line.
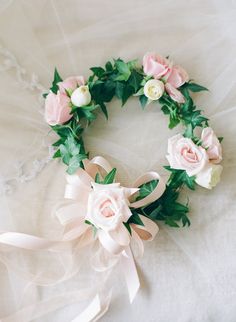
<point>187,274</point>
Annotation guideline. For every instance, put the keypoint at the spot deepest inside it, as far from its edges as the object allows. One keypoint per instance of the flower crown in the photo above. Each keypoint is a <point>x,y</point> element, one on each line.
<point>102,210</point>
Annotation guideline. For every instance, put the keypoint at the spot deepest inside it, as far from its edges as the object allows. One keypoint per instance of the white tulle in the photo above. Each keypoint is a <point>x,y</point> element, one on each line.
<point>187,274</point>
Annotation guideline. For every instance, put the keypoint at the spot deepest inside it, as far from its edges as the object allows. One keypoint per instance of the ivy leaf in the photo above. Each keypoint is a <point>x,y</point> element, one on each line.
<point>146,189</point>
<point>75,162</point>
<point>120,89</point>
<point>143,100</point>
<point>65,154</point>
<point>56,80</point>
<point>174,121</point>
<point>57,154</point>
<point>188,133</point>
<point>72,146</point>
<point>197,119</point>
<point>135,219</point>
<point>193,87</point>
<point>135,80</point>
<point>127,92</point>
<point>110,177</point>
<point>104,109</point>
<point>97,178</point>
<point>98,71</point>
<point>169,221</point>
<point>108,66</point>
<point>123,68</point>
<point>127,226</point>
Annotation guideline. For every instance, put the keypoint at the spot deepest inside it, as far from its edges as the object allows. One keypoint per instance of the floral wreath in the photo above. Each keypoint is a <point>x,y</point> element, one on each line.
<point>103,211</point>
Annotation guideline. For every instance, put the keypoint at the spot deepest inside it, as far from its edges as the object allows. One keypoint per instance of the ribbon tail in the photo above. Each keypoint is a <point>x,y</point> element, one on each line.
<point>95,310</point>
<point>130,273</point>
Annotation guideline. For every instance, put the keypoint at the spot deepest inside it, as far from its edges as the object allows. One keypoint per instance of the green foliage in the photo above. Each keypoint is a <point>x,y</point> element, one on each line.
<point>109,178</point>
<point>57,78</point>
<point>146,189</point>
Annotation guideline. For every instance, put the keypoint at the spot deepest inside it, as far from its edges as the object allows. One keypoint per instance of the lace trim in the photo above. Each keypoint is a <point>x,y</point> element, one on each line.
<point>28,82</point>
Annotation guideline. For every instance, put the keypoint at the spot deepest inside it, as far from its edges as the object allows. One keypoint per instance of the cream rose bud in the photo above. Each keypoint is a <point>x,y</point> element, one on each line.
<point>209,176</point>
<point>184,154</point>
<point>81,96</point>
<point>153,89</point>
<point>108,206</point>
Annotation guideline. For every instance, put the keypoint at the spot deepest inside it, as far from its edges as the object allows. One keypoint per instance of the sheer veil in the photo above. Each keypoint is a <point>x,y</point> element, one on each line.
<point>187,274</point>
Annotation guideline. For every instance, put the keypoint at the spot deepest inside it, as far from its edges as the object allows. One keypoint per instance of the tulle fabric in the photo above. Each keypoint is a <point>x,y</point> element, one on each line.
<point>187,274</point>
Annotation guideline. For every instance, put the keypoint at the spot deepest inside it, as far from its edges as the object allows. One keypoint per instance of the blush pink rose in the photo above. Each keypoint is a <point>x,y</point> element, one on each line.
<point>57,108</point>
<point>184,154</point>
<point>174,93</point>
<point>155,65</point>
<point>108,207</point>
<point>212,145</point>
<point>177,77</point>
<point>71,83</point>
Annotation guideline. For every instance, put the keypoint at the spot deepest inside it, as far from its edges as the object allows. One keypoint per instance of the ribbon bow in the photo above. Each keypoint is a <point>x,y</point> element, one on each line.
<point>115,241</point>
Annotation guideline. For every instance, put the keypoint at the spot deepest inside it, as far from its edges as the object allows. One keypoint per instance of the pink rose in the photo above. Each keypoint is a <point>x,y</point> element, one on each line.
<point>155,65</point>
<point>212,144</point>
<point>57,108</point>
<point>184,154</point>
<point>174,93</point>
<point>71,83</point>
<point>177,77</point>
<point>108,207</point>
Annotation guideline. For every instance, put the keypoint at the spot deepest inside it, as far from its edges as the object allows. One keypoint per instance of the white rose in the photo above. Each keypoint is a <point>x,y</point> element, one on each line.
<point>153,89</point>
<point>108,206</point>
<point>184,154</point>
<point>209,176</point>
<point>81,96</point>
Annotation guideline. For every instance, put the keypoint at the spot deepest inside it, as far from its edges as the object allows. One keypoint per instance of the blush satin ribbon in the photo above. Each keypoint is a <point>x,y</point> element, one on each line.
<point>79,234</point>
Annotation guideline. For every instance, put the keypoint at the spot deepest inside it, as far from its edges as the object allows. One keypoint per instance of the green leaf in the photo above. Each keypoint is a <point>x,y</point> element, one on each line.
<point>57,154</point>
<point>185,221</point>
<point>127,226</point>
<point>75,162</point>
<point>123,68</point>
<point>165,109</point>
<point>72,146</point>
<point>110,177</point>
<point>135,80</point>
<point>146,189</point>
<point>173,122</point>
<point>104,109</point>
<point>120,89</point>
<point>65,154</point>
<point>143,100</point>
<point>127,92</point>
<point>220,138</point>
<point>56,80</point>
<point>135,219</point>
<point>139,92</point>
<point>188,133</point>
<point>45,95</point>
<point>193,87</point>
<point>108,66</point>
<point>170,222</point>
<point>97,178</point>
<point>98,71</point>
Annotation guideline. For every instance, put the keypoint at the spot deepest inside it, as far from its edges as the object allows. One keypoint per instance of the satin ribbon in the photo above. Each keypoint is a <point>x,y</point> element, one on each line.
<point>79,234</point>
<point>78,188</point>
